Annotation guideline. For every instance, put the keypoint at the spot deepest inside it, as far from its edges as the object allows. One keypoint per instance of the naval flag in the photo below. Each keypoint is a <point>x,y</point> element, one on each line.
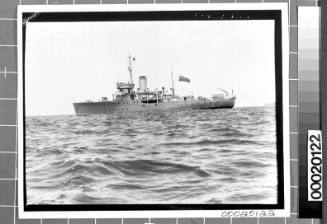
<point>183,79</point>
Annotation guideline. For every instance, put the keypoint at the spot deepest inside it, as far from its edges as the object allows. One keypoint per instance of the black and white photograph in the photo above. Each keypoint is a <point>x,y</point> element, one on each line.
<point>153,108</point>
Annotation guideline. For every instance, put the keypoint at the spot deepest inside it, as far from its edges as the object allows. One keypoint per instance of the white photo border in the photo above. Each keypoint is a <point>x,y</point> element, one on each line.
<point>285,212</point>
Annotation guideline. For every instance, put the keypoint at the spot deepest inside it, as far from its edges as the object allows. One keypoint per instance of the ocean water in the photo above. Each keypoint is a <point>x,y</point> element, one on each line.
<point>190,156</point>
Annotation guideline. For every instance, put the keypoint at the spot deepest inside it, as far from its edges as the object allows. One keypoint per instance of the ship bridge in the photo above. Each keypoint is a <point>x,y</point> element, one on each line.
<point>125,90</point>
<point>125,85</point>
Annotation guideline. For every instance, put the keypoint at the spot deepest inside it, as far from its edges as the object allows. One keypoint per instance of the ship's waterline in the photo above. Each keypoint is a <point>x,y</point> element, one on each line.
<point>107,107</point>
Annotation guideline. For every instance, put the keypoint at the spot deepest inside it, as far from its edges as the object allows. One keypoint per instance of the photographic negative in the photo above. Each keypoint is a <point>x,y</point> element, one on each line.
<point>153,108</point>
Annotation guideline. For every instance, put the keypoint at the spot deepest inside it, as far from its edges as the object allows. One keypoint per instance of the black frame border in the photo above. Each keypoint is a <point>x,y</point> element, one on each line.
<point>275,15</point>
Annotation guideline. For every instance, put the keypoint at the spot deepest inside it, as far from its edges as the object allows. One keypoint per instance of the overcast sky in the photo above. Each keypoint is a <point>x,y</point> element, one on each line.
<point>67,62</point>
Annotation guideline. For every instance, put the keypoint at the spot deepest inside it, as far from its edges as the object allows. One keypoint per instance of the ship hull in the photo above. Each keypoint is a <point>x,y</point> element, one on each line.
<point>86,108</point>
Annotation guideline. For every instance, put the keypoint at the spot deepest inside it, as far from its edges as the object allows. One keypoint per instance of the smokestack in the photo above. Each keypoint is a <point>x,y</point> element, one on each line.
<point>142,83</point>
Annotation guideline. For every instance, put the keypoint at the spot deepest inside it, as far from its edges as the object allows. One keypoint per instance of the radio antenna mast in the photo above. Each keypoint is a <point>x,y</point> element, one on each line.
<point>172,83</point>
<point>130,67</point>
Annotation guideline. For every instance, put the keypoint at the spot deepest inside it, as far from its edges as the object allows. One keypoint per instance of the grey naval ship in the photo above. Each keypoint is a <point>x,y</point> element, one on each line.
<point>127,99</point>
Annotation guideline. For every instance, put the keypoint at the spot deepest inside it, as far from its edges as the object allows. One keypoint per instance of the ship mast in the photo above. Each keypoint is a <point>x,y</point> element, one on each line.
<point>130,67</point>
<point>172,83</point>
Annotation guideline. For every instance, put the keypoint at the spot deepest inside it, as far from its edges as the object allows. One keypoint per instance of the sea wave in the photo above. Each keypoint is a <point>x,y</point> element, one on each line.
<point>197,156</point>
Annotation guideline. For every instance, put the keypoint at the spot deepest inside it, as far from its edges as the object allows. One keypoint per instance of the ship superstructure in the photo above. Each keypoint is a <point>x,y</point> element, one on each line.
<point>127,99</point>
